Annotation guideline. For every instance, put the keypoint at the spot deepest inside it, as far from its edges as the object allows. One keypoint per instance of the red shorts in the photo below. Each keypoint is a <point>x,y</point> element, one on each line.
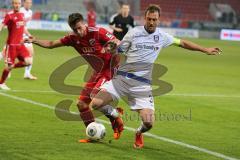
<point>91,88</point>
<point>15,51</point>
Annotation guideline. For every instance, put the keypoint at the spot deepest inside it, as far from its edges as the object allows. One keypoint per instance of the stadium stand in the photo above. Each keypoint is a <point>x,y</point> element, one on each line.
<point>196,10</point>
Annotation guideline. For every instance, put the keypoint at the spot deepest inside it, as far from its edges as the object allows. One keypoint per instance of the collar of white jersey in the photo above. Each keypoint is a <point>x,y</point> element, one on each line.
<point>148,32</point>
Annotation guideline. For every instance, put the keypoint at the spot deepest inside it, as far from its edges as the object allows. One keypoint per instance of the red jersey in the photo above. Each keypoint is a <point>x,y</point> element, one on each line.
<point>15,24</point>
<point>91,18</point>
<point>91,48</point>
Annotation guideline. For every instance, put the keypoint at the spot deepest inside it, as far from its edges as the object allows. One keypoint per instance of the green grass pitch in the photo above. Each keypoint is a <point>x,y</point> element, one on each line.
<point>202,110</point>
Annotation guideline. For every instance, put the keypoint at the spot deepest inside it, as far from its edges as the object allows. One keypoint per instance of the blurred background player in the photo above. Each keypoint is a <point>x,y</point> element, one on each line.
<point>89,42</point>
<point>122,22</point>
<point>26,10</point>
<point>91,15</point>
<point>14,21</point>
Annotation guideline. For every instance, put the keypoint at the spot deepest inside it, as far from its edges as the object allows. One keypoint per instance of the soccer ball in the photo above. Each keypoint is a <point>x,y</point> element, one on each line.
<point>96,131</point>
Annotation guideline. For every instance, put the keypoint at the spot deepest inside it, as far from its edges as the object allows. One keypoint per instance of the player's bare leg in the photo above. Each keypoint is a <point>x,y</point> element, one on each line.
<point>147,116</point>
<point>27,61</point>
<point>1,56</point>
<point>27,74</point>
<point>114,115</point>
<point>2,53</point>
<point>7,69</point>
<point>100,102</point>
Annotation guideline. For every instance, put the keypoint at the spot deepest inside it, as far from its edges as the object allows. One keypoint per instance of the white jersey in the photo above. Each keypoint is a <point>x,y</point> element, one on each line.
<point>143,49</point>
<point>133,77</point>
<point>27,14</point>
<point>27,18</point>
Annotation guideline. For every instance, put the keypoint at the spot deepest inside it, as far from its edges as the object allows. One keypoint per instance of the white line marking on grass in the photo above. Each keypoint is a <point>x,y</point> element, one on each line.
<point>33,91</point>
<point>202,95</point>
<point>170,94</point>
<point>216,154</point>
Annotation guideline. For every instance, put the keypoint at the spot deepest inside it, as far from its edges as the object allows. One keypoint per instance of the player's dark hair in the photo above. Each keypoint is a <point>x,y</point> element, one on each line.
<point>124,4</point>
<point>74,18</point>
<point>153,8</point>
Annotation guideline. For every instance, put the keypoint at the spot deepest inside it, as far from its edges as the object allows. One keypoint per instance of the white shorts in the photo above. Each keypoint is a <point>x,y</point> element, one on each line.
<point>28,45</point>
<point>139,94</point>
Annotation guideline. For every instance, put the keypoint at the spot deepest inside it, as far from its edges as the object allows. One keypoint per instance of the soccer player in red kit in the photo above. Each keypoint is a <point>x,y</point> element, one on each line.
<point>91,15</point>
<point>15,48</point>
<point>89,42</point>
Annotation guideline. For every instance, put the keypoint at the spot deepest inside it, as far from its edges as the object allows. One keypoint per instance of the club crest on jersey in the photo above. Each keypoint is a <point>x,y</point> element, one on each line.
<point>109,35</point>
<point>92,42</point>
<point>156,38</point>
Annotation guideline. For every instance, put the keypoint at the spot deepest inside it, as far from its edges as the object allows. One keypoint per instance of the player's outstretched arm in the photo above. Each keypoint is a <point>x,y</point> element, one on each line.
<point>44,43</point>
<point>195,47</point>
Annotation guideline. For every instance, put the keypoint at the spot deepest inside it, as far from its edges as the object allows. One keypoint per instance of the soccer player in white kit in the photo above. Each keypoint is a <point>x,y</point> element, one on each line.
<point>26,9</point>
<point>133,78</point>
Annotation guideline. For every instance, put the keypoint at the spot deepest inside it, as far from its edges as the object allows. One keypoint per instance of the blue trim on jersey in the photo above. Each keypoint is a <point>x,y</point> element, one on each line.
<point>132,76</point>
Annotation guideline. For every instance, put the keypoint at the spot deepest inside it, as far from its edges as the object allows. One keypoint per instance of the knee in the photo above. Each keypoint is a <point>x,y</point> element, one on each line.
<point>28,61</point>
<point>8,68</point>
<point>96,103</point>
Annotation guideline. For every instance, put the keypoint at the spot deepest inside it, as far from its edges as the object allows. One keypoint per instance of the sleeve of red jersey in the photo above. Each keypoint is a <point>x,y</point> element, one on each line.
<point>67,40</point>
<point>105,36</point>
<point>6,19</point>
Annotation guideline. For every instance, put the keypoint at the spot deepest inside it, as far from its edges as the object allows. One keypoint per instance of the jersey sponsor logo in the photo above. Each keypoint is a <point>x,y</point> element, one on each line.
<point>20,23</point>
<point>148,47</point>
<point>88,49</point>
<point>141,35</point>
<point>92,42</point>
<point>156,38</point>
<point>109,35</point>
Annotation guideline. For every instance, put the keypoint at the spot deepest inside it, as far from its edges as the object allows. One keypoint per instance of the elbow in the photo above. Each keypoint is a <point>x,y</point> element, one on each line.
<point>50,45</point>
<point>186,45</point>
<point>183,43</point>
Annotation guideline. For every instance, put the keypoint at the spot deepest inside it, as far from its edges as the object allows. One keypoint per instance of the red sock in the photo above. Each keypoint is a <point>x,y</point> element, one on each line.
<point>87,116</point>
<point>4,76</point>
<point>19,64</point>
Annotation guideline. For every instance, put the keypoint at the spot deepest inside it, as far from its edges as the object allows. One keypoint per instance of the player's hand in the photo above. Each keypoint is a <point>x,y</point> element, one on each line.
<point>111,46</point>
<point>29,40</point>
<point>213,51</point>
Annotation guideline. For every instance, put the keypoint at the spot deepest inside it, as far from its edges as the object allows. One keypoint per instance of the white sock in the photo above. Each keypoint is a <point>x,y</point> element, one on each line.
<point>1,56</point>
<point>28,71</point>
<point>109,111</point>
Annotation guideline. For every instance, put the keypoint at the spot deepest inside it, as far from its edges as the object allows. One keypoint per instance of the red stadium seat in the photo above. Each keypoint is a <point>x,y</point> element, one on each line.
<point>196,10</point>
